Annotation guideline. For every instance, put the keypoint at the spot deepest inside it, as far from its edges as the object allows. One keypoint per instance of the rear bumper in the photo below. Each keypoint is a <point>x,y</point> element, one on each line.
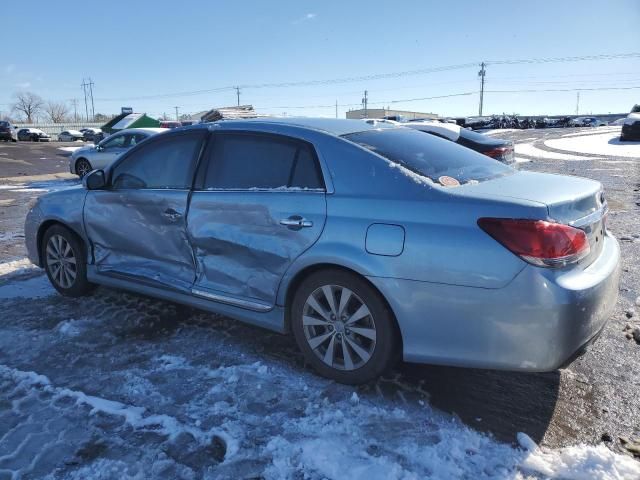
<point>536,323</point>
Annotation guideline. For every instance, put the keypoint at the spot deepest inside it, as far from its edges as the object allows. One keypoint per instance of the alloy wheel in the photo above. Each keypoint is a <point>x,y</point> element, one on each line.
<point>339,327</point>
<point>61,261</point>
<point>83,168</point>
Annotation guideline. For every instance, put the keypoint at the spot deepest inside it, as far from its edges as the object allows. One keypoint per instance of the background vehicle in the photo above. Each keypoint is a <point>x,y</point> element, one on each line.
<point>170,124</point>
<point>593,122</point>
<point>32,135</point>
<point>631,125</point>
<point>501,150</point>
<point>70,136</point>
<point>367,242</point>
<point>85,159</point>
<point>8,132</point>
<point>88,134</point>
<point>586,122</point>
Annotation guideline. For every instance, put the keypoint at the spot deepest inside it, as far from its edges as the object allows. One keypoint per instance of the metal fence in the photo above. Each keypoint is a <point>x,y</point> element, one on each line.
<point>54,129</point>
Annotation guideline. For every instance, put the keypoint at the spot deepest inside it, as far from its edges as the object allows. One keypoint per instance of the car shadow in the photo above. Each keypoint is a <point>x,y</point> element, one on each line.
<point>497,402</point>
<point>617,141</point>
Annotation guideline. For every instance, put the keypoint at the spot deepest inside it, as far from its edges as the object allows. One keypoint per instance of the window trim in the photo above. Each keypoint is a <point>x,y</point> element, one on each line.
<point>204,140</point>
<point>206,159</point>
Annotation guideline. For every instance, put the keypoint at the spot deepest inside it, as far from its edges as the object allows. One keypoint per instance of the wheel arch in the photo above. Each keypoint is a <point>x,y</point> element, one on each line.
<point>46,225</point>
<point>304,273</point>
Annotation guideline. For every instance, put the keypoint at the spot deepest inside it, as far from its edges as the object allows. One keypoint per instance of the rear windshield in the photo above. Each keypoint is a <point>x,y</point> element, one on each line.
<point>430,156</point>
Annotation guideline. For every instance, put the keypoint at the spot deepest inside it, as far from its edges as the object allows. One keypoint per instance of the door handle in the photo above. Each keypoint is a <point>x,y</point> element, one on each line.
<point>296,222</point>
<point>172,214</point>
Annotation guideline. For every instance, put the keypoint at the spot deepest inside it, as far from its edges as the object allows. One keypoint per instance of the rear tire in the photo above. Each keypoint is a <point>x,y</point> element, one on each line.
<point>343,327</point>
<point>64,259</point>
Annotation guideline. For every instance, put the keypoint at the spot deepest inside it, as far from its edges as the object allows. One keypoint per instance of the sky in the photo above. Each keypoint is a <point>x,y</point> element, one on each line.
<point>156,55</point>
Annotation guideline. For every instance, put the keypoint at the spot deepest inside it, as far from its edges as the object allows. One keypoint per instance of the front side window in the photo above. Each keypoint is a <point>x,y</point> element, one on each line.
<point>116,142</point>
<point>168,162</point>
<point>136,139</point>
<point>429,156</point>
<point>252,161</point>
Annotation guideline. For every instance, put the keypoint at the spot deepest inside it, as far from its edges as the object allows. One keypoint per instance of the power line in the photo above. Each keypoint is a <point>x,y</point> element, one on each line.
<point>380,76</point>
<point>460,94</point>
<point>614,56</point>
<point>562,89</point>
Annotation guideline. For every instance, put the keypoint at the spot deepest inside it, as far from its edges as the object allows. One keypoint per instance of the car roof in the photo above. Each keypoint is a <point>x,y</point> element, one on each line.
<point>332,126</point>
<point>143,130</point>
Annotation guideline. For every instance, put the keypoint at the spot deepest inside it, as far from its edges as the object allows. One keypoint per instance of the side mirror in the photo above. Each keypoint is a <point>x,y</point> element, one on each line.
<point>94,180</point>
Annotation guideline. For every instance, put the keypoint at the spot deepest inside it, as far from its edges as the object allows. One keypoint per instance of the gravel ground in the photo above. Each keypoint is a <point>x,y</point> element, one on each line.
<point>121,386</point>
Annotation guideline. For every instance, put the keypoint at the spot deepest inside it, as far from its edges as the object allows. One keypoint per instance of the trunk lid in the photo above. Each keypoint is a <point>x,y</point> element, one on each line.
<point>574,201</point>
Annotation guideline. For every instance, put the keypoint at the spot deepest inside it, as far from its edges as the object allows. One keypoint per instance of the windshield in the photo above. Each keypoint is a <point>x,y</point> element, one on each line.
<point>429,156</point>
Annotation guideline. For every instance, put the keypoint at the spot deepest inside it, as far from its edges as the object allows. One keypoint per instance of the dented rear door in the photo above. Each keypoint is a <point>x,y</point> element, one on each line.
<point>260,205</point>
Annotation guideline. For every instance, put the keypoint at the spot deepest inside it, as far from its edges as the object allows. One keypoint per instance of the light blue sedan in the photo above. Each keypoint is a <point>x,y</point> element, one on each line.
<point>370,243</point>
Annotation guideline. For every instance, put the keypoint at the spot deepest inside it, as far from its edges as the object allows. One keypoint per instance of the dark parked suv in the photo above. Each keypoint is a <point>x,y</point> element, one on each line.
<point>7,132</point>
<point>631,126</point>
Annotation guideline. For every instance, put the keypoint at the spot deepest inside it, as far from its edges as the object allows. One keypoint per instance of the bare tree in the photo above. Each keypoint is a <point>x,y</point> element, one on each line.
<point>29,104</point>
<point>57,111</point>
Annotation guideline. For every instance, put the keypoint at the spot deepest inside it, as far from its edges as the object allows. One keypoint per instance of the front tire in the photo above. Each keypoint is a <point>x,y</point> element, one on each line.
<point>83,167</point>
<point>64,259</point>
<point>343,327</point>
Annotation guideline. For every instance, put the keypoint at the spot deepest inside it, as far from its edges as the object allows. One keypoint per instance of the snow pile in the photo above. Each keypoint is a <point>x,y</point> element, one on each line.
<point>577,463</point>
<point>70,149</point>
<point>15,268</point>
<point>531,151</point>
<point>603,144</point>
<point>72,327</point>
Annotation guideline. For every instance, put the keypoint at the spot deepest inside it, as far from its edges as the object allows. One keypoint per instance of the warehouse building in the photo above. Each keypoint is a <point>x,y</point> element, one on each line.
<point>388,113</point>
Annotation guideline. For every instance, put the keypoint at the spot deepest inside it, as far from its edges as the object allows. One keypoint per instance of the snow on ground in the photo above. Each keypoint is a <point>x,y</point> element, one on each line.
<point>70,149</point>
<point>593,131</point>
<point>602,144</point>
<point>40,186</point>
<point>497,131</point>
<point>530,150</point>
<point>196,401</point>
<point>15,268</point>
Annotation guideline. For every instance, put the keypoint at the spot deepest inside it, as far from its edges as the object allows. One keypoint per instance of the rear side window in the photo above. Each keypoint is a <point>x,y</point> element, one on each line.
<point>430,156</point>
<point>251,161</point>
<point>165,163</point>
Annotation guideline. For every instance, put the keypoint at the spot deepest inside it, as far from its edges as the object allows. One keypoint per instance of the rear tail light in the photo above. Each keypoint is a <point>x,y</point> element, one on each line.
<point>540,243</point>
<point>499,152</point>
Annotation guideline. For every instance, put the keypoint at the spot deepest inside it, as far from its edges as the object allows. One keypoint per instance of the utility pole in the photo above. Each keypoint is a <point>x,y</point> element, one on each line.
<point>336,108</point>
<point>577,102</point>
<point>238,94</point>
<point>74,102</point>
<point>84,90</point>
<point>93,110</point>
<point>481,74</point>
<point>177,118</point>
<point>365,101</point>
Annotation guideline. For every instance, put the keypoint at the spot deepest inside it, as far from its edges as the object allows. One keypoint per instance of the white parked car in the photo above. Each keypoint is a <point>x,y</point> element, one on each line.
<point>70,136</point>
<point>88,158</point>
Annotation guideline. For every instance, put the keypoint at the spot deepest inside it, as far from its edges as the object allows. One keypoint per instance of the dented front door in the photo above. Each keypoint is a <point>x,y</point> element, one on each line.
<point>141,234</point>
